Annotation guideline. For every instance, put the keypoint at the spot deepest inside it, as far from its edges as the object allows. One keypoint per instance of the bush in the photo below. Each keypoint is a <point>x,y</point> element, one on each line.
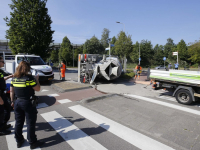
<point>129,74</point>
<point>195,65</point>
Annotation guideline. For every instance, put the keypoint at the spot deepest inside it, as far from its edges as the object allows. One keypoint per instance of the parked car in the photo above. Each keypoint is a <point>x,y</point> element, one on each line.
<point>160,67</point>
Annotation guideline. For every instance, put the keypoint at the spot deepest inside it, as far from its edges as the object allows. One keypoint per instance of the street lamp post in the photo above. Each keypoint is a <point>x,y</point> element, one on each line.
<point>73,54</point>
<point>121,23</point>
<point>125,55</point>
<point>139,53</point>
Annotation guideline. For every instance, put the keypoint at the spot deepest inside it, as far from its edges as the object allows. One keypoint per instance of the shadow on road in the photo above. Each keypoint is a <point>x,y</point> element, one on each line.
<point>48,100</point>
<point>60,125</point>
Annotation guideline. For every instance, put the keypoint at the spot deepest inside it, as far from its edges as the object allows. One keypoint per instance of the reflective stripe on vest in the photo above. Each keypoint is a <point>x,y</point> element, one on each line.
<point>1,75</point>
<point>23,84</point>
<point>63,67</point>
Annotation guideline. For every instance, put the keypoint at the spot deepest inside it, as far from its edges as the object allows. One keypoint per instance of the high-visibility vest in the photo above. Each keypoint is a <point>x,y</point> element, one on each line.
<point>138,68</point>
<point>62,69</point>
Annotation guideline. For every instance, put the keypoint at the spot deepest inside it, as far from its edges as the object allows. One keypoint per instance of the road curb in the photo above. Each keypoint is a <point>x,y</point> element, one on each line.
<point>61,90</point>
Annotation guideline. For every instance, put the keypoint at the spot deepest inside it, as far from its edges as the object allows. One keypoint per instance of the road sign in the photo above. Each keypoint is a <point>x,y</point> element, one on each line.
<point>139,59</point>
<point>164,58</point>
<point>112,45</point>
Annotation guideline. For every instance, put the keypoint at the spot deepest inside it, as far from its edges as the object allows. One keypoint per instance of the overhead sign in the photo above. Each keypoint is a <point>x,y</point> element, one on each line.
<point>175,53</point>
<point>139,59</point>
<point>164,58</point>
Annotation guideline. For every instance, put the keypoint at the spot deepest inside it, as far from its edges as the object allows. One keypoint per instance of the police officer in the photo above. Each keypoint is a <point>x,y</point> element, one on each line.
<point>23,85</point>
<point>5,107</point>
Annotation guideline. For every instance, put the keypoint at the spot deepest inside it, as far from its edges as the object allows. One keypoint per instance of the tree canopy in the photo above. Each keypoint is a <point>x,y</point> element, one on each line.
<point>105,38</point>
<point>29,27</point>
<point>123,45</point>
<point>194,51</point>
<point>93,46</point>
<point>65,51</point>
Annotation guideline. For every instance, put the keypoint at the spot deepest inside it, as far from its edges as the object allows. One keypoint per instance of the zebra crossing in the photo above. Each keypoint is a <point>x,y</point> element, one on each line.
<point>78,139</point>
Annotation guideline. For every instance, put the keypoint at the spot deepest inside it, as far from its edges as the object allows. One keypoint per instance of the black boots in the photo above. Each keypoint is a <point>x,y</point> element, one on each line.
<point>19,144</point>
<point>36,144</point>
<point>5,132</point>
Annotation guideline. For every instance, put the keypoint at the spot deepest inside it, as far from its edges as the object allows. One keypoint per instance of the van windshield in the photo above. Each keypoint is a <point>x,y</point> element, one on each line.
<point>32,60</point>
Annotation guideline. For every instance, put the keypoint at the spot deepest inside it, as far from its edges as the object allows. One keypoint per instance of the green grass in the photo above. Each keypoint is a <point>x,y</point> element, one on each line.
<point>128,75</point>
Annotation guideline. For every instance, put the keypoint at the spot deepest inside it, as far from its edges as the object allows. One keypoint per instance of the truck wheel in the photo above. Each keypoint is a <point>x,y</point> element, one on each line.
<point>184,97</point>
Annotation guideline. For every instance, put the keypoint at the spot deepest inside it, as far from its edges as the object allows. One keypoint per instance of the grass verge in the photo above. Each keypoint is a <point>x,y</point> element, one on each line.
<point>128,75</point>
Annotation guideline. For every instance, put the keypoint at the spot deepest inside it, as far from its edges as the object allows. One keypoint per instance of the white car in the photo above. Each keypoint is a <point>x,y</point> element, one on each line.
<point>38,66</point>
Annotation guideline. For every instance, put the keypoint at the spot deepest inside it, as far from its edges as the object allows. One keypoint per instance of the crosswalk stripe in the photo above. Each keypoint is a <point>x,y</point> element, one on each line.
<point>44,90</point>
<point>196,112</point>
<point>41,105</point>
<point>62,101</point>
<point>75,137</point>
<point>11,142</point>
<point>53,95</point>
<point>135,138</point>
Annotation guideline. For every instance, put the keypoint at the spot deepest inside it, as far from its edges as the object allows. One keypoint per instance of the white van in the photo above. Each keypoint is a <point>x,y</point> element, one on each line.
<point>38,66</point>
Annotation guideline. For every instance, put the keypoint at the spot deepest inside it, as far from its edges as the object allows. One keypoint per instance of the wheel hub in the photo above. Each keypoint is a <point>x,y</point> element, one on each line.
<point>183,97</point>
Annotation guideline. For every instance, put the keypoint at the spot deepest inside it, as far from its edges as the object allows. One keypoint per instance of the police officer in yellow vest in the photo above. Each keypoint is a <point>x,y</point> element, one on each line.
<point>5,106</point>
<point>24,85</point>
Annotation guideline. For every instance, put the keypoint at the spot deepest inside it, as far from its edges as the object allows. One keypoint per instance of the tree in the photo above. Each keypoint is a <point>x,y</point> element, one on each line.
<point>169,48</point>
<point>112,51</point>
<point>105,38</point>
<point>77,51</point>
<point>182,51</point>
<point>93,46</point>
<point>29,27</point>
<point>134,55</point>
<point>123,45</point>
<point>54,55</point>
<point>158,55</point>
<point>194,52</point>
<point>146,53</point>
<point>65,51</point>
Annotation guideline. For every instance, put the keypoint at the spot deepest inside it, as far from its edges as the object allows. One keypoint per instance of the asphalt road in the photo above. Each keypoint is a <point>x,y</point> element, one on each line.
<point>135,118</point>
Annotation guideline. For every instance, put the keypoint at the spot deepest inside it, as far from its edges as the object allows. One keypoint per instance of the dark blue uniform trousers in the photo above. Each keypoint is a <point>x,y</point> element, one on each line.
<point>1,116</point>
<point>4,111</point>
<point>22,109</point>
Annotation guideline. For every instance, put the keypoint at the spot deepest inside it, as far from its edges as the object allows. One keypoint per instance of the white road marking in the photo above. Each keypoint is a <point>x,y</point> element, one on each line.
<point>135,138</point>
<point>53,95</point>
<point>75,137</point>
<point>196,112</point>
<point>11,142</point>
<point>167,98</point>
<point>41,105</point>
<point>62,101</point>
<point>44,90</point>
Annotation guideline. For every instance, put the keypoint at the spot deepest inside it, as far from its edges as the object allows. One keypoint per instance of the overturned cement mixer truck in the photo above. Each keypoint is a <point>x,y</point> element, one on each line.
<point>91,66</point>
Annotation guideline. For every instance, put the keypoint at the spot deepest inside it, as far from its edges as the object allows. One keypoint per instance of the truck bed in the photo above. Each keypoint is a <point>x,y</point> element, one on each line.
<point>181,77</point>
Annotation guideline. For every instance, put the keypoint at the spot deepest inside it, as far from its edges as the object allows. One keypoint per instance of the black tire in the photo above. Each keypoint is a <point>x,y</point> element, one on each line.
<point>184,97</point>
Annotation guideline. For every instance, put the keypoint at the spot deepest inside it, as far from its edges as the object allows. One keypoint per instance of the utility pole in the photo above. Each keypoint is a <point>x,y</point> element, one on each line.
<point>139,53</point>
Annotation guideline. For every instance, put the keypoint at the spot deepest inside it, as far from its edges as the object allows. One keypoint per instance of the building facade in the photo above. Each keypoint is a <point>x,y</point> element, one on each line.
<point>5,48</point>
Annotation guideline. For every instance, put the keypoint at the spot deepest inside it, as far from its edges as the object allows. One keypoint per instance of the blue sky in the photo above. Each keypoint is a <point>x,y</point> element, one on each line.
<point>153,20</point>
